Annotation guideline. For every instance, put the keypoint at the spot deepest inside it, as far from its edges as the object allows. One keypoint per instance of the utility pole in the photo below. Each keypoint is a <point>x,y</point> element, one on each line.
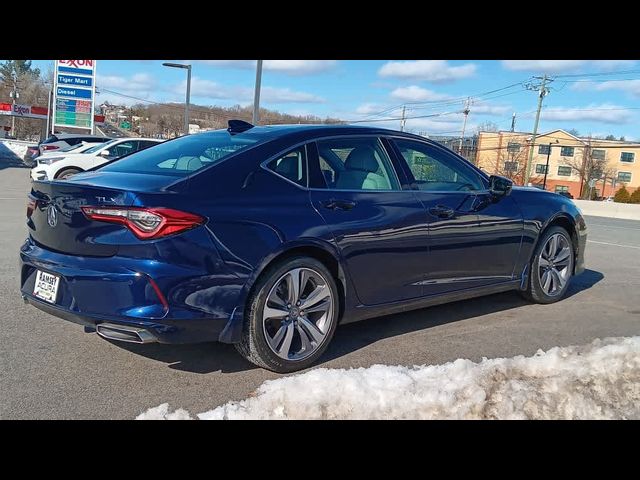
<point>542,92</point>
<point>256,96</point>
<point>513,122</point>
<point>466,111</point>
<point>403,120</point>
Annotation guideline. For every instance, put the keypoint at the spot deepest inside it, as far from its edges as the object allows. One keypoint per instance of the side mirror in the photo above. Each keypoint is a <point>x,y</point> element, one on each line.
<point>500,186</point>
<point>105,153</point>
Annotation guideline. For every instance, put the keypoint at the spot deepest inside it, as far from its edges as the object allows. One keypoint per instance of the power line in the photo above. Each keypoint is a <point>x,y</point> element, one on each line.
<point>395,119</point>
<point>598,74</point>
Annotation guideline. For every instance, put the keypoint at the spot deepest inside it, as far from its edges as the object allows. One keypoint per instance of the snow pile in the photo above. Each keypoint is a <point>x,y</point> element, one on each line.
<point>596,381</point>
<point>13,149</point>
<point>161,412</point>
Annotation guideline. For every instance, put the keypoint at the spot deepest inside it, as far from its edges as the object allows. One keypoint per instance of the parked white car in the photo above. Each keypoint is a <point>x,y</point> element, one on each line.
<point>73,149</point>
<point>63,166</point>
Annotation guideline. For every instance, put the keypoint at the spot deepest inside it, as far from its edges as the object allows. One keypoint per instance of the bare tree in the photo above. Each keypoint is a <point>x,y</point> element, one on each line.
<point>589,167</point>
<point>487,127</point>
<point>512,163</point>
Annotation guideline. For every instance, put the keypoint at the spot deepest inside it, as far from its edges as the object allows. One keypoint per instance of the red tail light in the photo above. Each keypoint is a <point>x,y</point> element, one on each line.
<point>50,147</point>
<point>146,223</point>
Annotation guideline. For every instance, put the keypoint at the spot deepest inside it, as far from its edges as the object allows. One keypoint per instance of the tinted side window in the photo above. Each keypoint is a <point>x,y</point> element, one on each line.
<point>436,170</point>
<point>123,148</point>
<point>292,166</point>
<point>73,140</point>
<point>146,144</point>
<point>356,164</point>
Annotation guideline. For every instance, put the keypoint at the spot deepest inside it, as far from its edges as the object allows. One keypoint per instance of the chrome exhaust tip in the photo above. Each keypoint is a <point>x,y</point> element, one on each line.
<point>125,333</point>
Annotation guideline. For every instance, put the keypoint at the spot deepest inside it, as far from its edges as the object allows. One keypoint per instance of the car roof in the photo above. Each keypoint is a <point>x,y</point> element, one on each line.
<point>62,136</point>
<point>268,132</point>
<point>138,138</point>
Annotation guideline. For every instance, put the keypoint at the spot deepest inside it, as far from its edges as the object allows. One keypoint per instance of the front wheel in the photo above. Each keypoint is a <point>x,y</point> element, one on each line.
<point>551,267</point>
<point>291,316</point>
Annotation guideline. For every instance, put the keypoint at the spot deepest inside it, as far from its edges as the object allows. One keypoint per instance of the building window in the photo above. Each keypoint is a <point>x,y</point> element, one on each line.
<point>564,171</point>
<point>510,166</point>
<point>566,151</point>
<point>624,176</point>
<point>513,147</point>
<point>541,168</point>
<point>598,154</point>
<point>627,157</point>
<point>561,188</point>
<point>544,149</point>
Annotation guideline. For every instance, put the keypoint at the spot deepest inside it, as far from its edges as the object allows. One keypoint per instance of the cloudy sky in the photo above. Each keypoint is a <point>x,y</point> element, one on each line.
<point>595,97</point>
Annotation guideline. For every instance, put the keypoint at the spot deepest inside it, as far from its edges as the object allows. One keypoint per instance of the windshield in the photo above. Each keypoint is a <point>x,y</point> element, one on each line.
<point>183,156</point>
<point>100,146</point>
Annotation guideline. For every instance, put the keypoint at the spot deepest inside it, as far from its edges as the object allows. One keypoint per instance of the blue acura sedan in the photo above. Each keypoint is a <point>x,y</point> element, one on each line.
<point>269,237</point>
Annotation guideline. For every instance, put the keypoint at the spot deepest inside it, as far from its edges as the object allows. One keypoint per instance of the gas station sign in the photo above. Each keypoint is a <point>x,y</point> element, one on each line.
<point>74,93</point>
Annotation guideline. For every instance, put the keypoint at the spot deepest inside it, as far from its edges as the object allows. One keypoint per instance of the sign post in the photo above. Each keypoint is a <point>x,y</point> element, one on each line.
<point>74,94</point>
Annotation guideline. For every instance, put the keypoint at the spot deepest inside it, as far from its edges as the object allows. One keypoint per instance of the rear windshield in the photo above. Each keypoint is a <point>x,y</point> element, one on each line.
<point>183,156</point>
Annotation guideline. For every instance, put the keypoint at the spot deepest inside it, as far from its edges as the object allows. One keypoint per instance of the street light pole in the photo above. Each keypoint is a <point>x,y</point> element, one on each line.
<point>256,96</point>
<point>188,98</point>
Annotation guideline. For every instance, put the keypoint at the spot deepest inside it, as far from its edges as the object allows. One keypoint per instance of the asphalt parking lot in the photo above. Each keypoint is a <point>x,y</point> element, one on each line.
<point>51,369</point>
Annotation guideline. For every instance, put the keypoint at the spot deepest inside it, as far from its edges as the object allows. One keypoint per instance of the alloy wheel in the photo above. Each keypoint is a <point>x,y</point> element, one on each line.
<point>297,314</point>
<point>555,264</point>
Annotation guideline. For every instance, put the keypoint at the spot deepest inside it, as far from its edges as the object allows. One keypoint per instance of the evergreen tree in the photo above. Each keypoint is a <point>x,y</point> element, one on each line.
<point>622,195</point>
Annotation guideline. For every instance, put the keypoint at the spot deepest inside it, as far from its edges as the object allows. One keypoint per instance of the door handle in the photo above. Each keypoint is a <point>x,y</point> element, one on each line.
<point>336,204</point>
<point>442,211</point>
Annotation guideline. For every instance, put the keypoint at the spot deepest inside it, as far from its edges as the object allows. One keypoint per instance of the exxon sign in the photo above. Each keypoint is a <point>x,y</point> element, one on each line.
<point>74,93</point>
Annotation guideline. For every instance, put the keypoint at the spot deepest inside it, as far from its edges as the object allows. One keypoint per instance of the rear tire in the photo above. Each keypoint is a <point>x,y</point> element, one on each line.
<point>551,267</point>
<point>66,173</point>
<point>287,328</point>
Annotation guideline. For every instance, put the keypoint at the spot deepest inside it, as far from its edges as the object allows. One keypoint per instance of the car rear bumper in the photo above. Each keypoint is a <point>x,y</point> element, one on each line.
<point>118,291</point>
<point>164,330</point>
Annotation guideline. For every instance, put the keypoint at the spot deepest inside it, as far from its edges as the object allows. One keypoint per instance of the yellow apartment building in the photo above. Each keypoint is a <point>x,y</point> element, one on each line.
<point>506,153</point>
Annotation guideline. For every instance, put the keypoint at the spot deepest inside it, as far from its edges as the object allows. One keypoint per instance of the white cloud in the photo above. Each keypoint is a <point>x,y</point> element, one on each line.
<point>434,71</point>
<point>215,91</point>
<point>137,82</point>
<point>563,66</point>
<point>631,87</point>
<point>369,108</point>
<point>490,109</point>
<point>414,93</point>
<point>139,85</point>
<point>290,67</point>
<point>286,95</point>
<point>596,381</point>
<point>603,113</point>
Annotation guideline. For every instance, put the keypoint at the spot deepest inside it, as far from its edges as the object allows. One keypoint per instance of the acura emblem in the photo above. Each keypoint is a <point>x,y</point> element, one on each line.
<point>52,216</point>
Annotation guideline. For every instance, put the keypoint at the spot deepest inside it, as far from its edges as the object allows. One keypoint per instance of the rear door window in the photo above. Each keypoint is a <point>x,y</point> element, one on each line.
<point>356,163</point>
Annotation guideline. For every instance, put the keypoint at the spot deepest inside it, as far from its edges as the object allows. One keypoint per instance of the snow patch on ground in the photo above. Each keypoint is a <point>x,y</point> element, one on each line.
<point>596,381</point>
<point>161,412</point>
<point>13,149</point>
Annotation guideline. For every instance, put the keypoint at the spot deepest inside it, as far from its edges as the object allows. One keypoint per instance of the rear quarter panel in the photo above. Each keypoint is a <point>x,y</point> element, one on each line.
<point>254,215</point>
